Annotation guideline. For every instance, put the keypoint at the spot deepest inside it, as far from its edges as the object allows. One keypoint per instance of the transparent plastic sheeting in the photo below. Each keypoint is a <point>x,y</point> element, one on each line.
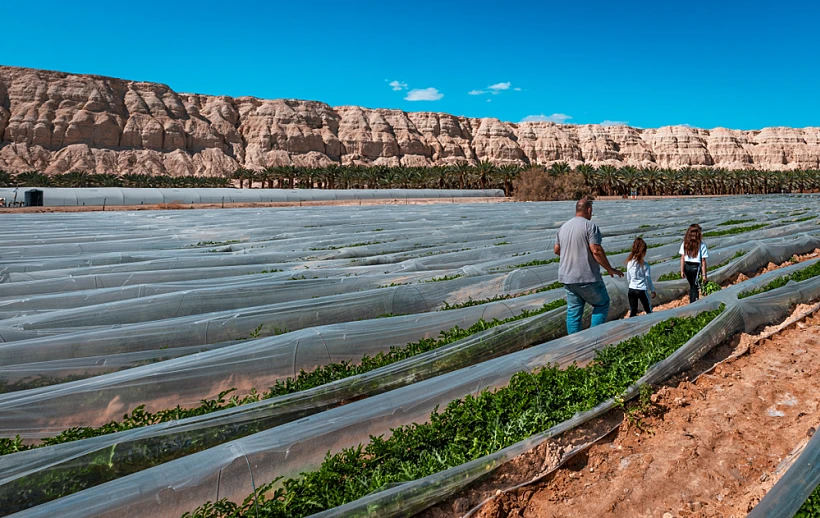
<point>55,196</point>
<point>145,302</point>
<point>231,469</point>
<point>257,363</point>
<point>189,378</point>
<point>787,496</point>
<point>212,429</point>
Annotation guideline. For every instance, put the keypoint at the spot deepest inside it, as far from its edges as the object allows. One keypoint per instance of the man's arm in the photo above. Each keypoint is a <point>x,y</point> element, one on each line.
<point>556,248</point>
<point>600,256</point>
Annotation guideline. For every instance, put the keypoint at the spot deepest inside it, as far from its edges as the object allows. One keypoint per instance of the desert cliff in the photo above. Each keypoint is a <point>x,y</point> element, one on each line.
<point>57,122</point>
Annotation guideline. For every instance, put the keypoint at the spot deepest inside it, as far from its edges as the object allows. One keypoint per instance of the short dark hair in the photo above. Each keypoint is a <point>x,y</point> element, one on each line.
<point>583,204</point>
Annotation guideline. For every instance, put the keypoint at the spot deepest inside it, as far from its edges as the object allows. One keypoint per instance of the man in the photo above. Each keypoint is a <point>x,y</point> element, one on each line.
<point>578,244</point>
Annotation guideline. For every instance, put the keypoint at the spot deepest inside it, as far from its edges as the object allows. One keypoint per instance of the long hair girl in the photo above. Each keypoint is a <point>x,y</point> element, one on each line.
<point>692,240</point>
<point>638,251</point>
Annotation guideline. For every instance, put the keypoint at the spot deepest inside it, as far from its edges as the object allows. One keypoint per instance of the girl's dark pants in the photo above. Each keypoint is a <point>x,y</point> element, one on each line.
<point>634,297</point>
<point>692,273</point>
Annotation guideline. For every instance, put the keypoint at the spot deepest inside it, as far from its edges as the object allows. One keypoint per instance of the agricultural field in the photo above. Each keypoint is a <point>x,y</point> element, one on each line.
<point>401,360</point>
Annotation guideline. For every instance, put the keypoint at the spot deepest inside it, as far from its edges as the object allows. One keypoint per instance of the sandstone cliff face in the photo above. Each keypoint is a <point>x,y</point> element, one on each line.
<point>56,122</point>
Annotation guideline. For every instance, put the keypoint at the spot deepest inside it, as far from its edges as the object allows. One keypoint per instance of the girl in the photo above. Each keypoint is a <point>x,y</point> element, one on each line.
<point>639,277</point>
<point>693,255</point>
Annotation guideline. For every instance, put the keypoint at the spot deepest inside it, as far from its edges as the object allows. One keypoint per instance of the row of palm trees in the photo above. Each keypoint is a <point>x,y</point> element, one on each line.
<point>84,179</point>
<point>606,180</point>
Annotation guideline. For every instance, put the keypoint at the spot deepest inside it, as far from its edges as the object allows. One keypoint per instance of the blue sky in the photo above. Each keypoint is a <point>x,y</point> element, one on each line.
<point>742,65</point>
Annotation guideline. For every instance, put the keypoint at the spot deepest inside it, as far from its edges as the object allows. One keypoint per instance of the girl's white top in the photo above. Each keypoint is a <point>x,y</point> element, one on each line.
<point>703,253</point>
<point>639,276</point>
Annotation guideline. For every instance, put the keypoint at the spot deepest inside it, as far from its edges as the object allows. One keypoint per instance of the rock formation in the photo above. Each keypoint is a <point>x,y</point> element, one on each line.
<point>56,122</point>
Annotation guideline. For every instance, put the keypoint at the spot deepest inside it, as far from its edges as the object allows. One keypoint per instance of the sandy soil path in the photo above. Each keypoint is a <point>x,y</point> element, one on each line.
<point>711,443</point>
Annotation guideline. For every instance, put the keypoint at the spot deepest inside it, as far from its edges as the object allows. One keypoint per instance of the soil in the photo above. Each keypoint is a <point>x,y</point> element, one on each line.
<point>712,442</point>
<point>712,448</point>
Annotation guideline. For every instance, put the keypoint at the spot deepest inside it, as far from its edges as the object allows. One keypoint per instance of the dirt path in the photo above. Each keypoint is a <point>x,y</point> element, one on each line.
<point>712,446</point>
<point>706,448</point>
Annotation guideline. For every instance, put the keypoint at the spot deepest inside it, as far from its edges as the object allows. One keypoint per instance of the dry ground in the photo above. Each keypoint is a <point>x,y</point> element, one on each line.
<point>713,441</point>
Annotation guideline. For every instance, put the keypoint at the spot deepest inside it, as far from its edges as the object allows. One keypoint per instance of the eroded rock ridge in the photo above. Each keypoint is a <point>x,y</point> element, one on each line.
<point>57,122</point>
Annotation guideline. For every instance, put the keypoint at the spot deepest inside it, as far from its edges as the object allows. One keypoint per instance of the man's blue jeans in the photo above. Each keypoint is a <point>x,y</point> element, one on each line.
<point>592,293</point>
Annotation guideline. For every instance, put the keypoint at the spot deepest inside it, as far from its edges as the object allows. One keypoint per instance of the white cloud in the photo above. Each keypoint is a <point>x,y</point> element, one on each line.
<point>558,118</point>
<point>398,85</point>
<point>489,100</point>
<point>517,89</point>
<point>423,94</point>
<point>498,87</point>
<point>476,92</point>
<point>614,123</point>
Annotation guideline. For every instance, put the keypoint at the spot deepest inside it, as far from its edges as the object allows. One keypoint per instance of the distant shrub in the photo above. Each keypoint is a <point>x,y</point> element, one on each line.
<point>537,184</point>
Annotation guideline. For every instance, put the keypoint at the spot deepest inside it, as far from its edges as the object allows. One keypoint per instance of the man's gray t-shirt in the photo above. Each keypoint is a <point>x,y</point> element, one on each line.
<point>578,265</point>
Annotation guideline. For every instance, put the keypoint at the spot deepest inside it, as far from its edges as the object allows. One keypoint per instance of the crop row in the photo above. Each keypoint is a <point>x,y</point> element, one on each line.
<point>799,275</point>
<point>117,461</point>
<point>467,428</point>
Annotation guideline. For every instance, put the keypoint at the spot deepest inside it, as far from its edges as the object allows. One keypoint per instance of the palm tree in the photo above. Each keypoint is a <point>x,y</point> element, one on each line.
<point>559,169</point>
<point>33,179</point>
<point>588,172</point>
<point>239,174</point>
<point>484,170</point>
<point>609,177</point>
<point>651,177</point>
<point>106,180</point>
<point>628,177</point>
<point>508,173</point>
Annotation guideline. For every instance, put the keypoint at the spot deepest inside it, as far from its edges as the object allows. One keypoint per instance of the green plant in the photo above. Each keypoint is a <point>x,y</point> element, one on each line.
<point>445,278</point>
<point>799,275</point>
<point>804,218</point>
<point>734,222</point>
<point>536,262</point>
<point>735,230</point>
<point>811,507</point>
<point>709,288</point>
<point>203,244</point>
<point>467,428</point>
<point>638,410</point>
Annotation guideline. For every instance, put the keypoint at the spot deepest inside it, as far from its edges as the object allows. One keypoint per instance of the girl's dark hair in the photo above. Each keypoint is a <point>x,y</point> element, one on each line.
<point>638,251</point>
<point>692,240</point>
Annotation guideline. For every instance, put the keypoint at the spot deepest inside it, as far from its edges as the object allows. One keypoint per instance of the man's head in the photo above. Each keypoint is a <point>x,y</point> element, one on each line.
<point>583,208</point>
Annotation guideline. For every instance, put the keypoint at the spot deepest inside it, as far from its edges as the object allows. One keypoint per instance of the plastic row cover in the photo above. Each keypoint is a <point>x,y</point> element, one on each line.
<point>230,470</point>
<point>44,411</point>
<point>746,315</point>
<point>258,363</point>
<point>195,434</point>
<point>786,497</point>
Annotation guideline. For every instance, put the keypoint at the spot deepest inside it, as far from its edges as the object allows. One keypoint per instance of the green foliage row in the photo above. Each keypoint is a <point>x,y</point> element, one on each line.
<point>736,230</point>
<point>445,278</point>
<point>470,302</point>
<point>120,460</point>
<point>354,245</point>
<point>734,222</point>
<point>800,275</point>
<point>303,381</point>
<point>76,179</point>
<point>604,180</point>
<point>536,262</point>
<point>466,429</point>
